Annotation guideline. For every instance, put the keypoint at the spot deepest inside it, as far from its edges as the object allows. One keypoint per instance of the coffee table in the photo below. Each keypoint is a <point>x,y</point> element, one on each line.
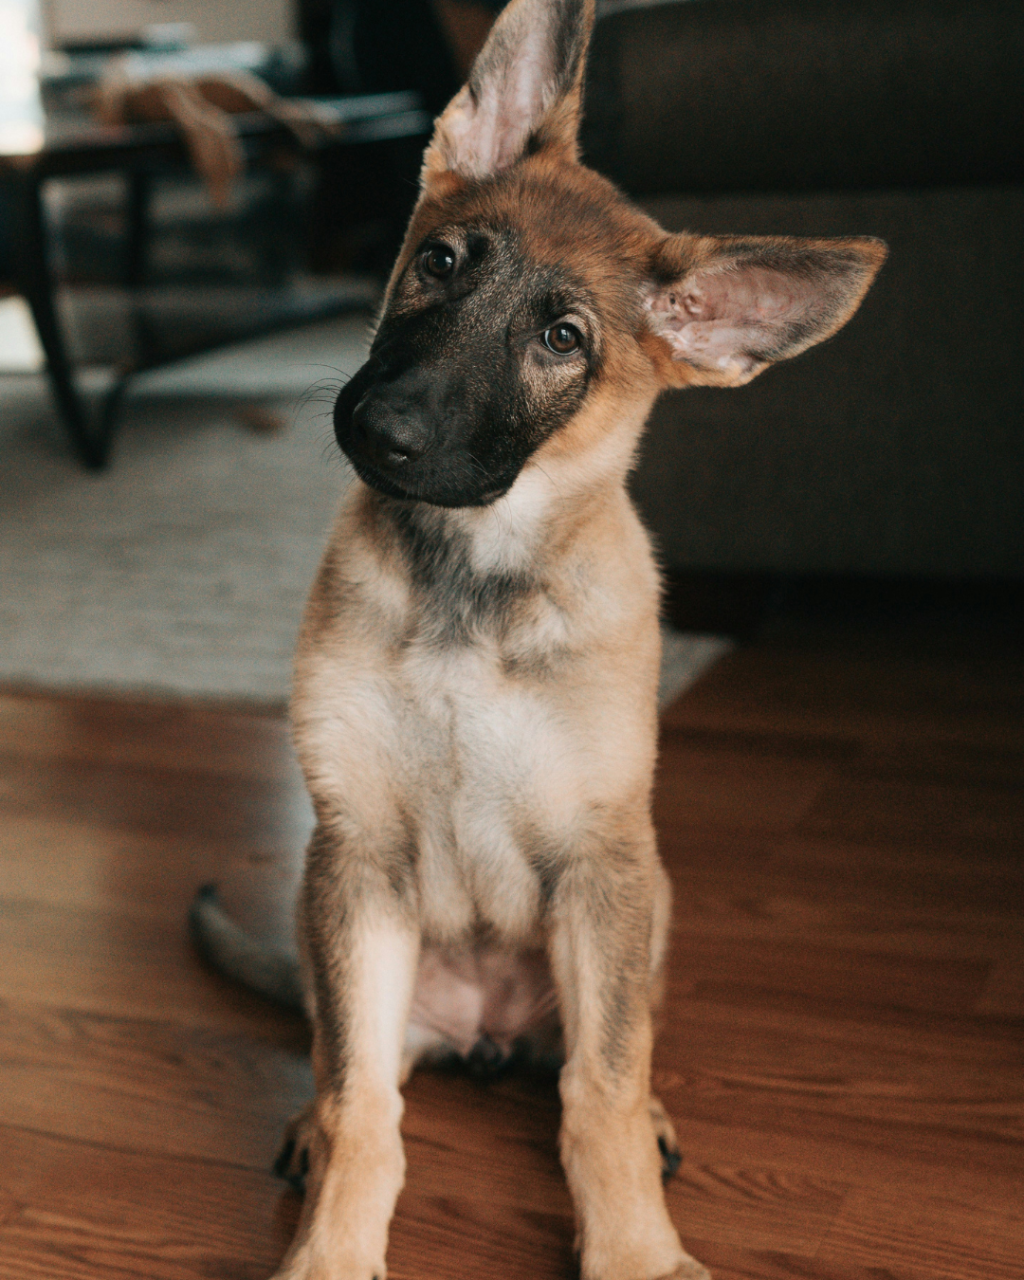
<point>73,146</point>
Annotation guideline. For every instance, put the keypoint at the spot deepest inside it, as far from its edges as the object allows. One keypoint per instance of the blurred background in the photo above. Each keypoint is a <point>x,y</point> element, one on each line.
<point>199,203</point>
<point>139,234</point>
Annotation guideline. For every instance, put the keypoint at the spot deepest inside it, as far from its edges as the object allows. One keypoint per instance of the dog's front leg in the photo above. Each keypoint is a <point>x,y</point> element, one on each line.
<point>601,926</point>
<point>361,938</point>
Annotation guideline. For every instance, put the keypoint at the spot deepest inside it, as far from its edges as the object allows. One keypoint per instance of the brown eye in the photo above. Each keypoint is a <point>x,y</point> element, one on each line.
<point>563,339</point>
<point>438,261</point>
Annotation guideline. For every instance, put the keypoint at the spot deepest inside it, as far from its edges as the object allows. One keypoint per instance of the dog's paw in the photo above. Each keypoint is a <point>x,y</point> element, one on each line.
<point>292,1163</point>
<point>302,1269</point>
<point>303,1266</point>
<point>686,1268</point>
<point>668,1143</point>
<point>691,1269</point>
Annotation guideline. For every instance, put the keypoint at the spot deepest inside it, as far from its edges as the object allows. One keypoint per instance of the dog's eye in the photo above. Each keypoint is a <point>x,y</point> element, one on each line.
<point>563,339</point>
<point>438,261</point>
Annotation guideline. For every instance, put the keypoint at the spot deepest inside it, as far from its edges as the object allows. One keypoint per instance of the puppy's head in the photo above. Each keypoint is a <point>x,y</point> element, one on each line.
<point>531,303</point>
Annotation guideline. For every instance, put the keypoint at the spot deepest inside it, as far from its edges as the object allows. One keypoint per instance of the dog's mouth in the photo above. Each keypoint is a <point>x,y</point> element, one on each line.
<point>376,479</point>
<point>441,495</point>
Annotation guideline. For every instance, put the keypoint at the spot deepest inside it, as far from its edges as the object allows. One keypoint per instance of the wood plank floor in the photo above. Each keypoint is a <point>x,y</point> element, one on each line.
<point>841,1050</point>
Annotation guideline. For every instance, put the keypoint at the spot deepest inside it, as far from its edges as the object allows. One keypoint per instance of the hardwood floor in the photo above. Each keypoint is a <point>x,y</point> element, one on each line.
<point>841,809</point>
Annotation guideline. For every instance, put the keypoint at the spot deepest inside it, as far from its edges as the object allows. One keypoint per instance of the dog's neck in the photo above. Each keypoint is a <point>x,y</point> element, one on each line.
<point>471,571</point>
<point>471,552</point>
<point>468,571</point>
<point>513,538</point>
<point>547,508</point>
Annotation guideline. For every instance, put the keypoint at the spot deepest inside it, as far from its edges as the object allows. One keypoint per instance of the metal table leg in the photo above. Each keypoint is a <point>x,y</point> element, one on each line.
<point>35,280</point>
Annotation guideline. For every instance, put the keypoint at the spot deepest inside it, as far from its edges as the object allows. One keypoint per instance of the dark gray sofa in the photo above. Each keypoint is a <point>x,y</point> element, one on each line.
<point>897,448</point>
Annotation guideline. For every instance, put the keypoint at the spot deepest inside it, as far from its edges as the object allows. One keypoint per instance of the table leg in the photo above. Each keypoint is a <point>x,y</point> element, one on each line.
<point>34,278</point>
<point>140,191</point>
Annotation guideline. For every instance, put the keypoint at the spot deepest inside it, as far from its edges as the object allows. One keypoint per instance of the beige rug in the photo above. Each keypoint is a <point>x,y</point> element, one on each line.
<point>182,570</point>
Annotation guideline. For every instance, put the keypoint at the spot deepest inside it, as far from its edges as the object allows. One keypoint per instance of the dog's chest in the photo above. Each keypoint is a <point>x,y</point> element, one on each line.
<point>473,708</point>
<point>493,785</point>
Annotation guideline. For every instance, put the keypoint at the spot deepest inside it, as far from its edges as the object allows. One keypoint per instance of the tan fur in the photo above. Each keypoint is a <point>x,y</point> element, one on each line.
<point>483,803</point>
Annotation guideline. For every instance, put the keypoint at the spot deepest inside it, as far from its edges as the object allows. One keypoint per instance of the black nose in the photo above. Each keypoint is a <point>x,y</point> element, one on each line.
<point>390,434</point>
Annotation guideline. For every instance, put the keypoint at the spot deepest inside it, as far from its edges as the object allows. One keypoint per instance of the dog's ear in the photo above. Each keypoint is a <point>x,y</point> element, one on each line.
<point>725,308</point>
<point>523,93</point>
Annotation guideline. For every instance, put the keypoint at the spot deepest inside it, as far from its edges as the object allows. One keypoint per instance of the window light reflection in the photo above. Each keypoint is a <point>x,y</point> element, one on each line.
<point>21,108</point>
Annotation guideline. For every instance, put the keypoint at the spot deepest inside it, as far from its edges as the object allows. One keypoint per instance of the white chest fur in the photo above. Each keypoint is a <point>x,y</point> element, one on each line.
<point>498,774</point>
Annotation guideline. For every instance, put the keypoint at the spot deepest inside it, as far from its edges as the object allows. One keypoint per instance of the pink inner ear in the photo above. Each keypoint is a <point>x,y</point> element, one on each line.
<point>522,100</point>
<point>490,134</point>
<point>720,318</point>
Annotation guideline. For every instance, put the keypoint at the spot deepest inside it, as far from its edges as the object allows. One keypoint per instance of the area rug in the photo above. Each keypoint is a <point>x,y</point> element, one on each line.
<point>183,568</point>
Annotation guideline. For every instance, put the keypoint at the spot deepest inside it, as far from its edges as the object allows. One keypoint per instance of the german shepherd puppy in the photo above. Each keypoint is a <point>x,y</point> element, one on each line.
<point>474,703</point>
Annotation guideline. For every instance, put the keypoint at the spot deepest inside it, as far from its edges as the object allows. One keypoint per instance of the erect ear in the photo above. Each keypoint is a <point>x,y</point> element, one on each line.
<point>728,307</point>
<point>523,92</point>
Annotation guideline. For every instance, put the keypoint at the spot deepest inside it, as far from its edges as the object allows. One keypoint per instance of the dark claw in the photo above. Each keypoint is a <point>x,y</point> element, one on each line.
<point>282,1167</point>
<point>297,1181</point>
<point>671,1159</point>
<point>284,1159</point>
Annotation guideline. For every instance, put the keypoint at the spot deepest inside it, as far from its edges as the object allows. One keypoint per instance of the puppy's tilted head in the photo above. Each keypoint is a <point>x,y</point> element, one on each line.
<point>528,288</point>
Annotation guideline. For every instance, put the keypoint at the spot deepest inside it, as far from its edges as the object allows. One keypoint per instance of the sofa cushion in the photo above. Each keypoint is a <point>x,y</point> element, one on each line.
<point>894,448</point>
<point>790,95</point>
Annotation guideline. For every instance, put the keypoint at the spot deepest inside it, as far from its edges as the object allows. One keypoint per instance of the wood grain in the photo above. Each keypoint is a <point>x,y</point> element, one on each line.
<point>841,1049</point>
<point>83,1210</point>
